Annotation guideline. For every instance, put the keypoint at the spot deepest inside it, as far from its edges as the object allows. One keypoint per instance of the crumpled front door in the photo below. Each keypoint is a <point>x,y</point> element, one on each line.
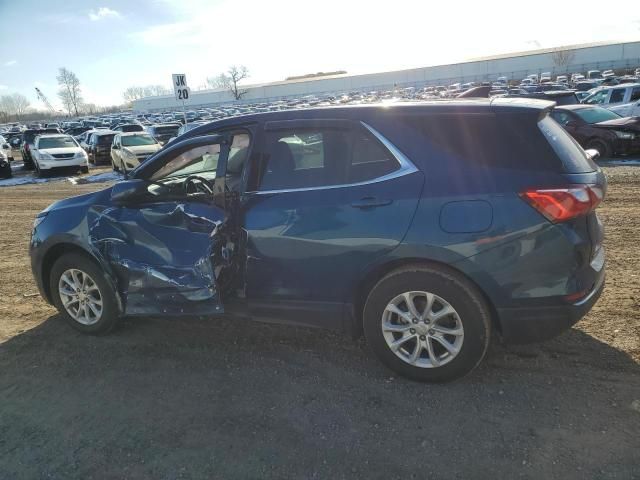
<point>163,256</point>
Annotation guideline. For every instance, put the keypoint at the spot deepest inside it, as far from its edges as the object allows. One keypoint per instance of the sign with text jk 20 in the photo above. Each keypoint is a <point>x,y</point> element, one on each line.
<point>180,87</point>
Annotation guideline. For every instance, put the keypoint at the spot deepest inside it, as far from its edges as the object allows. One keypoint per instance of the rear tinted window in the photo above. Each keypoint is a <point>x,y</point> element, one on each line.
<point>132,128</point>
<point>105,139</point>
<point>568,150</point>
<point>485,141</point>
<point>166,130</point>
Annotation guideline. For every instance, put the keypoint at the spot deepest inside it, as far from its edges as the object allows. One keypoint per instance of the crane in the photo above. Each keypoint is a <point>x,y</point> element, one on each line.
<point>43,99</point>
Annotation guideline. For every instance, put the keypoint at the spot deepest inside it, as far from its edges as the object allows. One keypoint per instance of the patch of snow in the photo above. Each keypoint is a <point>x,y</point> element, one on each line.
<point>97,178</point>
<point>25,180</point>
<point>23,177</point>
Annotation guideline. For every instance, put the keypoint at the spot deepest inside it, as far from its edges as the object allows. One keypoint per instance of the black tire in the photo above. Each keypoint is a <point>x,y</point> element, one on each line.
<point>110,312</point>
<point>84,169</point>
<point>601,146</point>
<point>39,173</point>
<point>473,313</point>
<point>28,164</point>
<point>113,166</point>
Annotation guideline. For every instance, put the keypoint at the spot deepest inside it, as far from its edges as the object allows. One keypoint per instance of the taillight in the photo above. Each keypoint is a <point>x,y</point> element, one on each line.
<point>562,204</point>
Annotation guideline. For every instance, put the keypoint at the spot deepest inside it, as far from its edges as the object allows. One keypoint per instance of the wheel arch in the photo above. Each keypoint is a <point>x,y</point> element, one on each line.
<point>373,276</point>
<point>55,252</point>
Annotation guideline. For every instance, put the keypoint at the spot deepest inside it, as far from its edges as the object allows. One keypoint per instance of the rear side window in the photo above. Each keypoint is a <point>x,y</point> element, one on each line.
<point>484,141</point>
<point>635,94</point>
<point>308,158</point>
<point>568,150</point>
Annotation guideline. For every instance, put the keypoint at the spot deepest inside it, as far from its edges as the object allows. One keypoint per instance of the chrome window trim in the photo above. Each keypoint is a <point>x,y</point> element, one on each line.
<point>406,167</point>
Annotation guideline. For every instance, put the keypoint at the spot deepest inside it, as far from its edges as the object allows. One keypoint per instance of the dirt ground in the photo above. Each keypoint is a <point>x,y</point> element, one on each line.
<point>167,399</point>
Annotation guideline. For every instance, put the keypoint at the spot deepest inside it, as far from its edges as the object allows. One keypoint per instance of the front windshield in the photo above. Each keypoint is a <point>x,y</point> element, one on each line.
<point>57,142</point>
<point>199,160</point>
<point>596,114</point>
<point>137,140</point>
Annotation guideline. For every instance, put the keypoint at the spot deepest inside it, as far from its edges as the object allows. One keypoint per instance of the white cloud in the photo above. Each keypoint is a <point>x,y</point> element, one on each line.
<point>103,12</point>
<point>3,87</point>
<point>10,63</point>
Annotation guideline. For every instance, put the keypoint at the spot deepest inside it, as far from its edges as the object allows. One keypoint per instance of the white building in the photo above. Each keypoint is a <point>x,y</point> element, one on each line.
<point>596,56</point>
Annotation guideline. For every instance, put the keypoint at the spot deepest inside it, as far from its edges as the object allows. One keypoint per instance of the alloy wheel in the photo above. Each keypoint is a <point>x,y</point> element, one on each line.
<point>422,329</point>
<point>80,296</point>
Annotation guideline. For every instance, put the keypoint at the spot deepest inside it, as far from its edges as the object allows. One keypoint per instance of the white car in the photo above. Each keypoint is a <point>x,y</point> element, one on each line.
<point>5,149</point>
<point>130,149</point>
<point>57,151</point>
<point>623,99</point>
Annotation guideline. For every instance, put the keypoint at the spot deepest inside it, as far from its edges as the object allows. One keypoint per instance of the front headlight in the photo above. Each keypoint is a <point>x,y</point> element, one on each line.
<point>624,135</point>
<point>80,154</point>
<point>39,219</point>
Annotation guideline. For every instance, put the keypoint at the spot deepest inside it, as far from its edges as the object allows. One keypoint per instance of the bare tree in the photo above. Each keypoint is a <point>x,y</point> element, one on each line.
<point>230,79</point>
<point>562,57</point>
<point>156,90</point>
<point>15,105</point>
<point>133,93</point>
<point>69,92</point>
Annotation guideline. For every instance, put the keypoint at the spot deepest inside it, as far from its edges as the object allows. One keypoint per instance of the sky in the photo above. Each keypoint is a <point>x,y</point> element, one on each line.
<point>112,45</point>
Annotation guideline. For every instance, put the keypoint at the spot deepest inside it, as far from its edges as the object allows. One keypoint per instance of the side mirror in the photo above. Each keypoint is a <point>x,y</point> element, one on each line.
<point>592,153</point>
<point>128,191</point>
<point>115,147</point>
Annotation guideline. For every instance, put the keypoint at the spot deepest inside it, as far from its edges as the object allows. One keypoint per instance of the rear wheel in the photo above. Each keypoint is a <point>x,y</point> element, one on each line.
<point>83,295</point>
<point>427,324</point>
<point>601,146</point>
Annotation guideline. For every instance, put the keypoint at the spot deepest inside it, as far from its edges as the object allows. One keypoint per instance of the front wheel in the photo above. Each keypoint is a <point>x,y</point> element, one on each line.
<point>83,295</point>
<point>427,323</point>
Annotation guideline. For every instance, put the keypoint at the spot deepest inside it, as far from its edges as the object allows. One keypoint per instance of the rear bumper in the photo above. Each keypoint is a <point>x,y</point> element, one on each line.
<point>535,324</point>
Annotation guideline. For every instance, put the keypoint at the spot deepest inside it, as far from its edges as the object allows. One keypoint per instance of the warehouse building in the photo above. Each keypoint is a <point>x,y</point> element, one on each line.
<point>569,59</point>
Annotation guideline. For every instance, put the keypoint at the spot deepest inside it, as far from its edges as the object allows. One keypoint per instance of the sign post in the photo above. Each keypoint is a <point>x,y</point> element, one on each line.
<point>181,90</point>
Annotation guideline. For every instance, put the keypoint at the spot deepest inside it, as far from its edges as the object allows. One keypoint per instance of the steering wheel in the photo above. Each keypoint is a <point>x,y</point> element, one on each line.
<point>197,182</point>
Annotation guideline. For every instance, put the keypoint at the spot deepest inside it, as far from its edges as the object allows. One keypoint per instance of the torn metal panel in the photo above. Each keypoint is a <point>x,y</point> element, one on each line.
<point>165,256</point>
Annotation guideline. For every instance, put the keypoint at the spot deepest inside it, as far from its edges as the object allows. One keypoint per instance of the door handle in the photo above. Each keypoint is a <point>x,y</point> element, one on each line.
<point>371,202</point>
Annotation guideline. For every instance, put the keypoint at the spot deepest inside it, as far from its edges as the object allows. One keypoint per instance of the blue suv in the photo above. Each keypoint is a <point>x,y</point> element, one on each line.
<point>428,227</point>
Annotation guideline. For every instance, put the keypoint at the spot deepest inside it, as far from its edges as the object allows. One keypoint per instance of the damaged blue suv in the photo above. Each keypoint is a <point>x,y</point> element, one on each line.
<point>428,227</point>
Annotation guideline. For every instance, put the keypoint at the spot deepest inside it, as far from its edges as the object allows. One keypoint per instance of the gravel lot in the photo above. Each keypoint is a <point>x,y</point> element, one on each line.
<point>165,399</point>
